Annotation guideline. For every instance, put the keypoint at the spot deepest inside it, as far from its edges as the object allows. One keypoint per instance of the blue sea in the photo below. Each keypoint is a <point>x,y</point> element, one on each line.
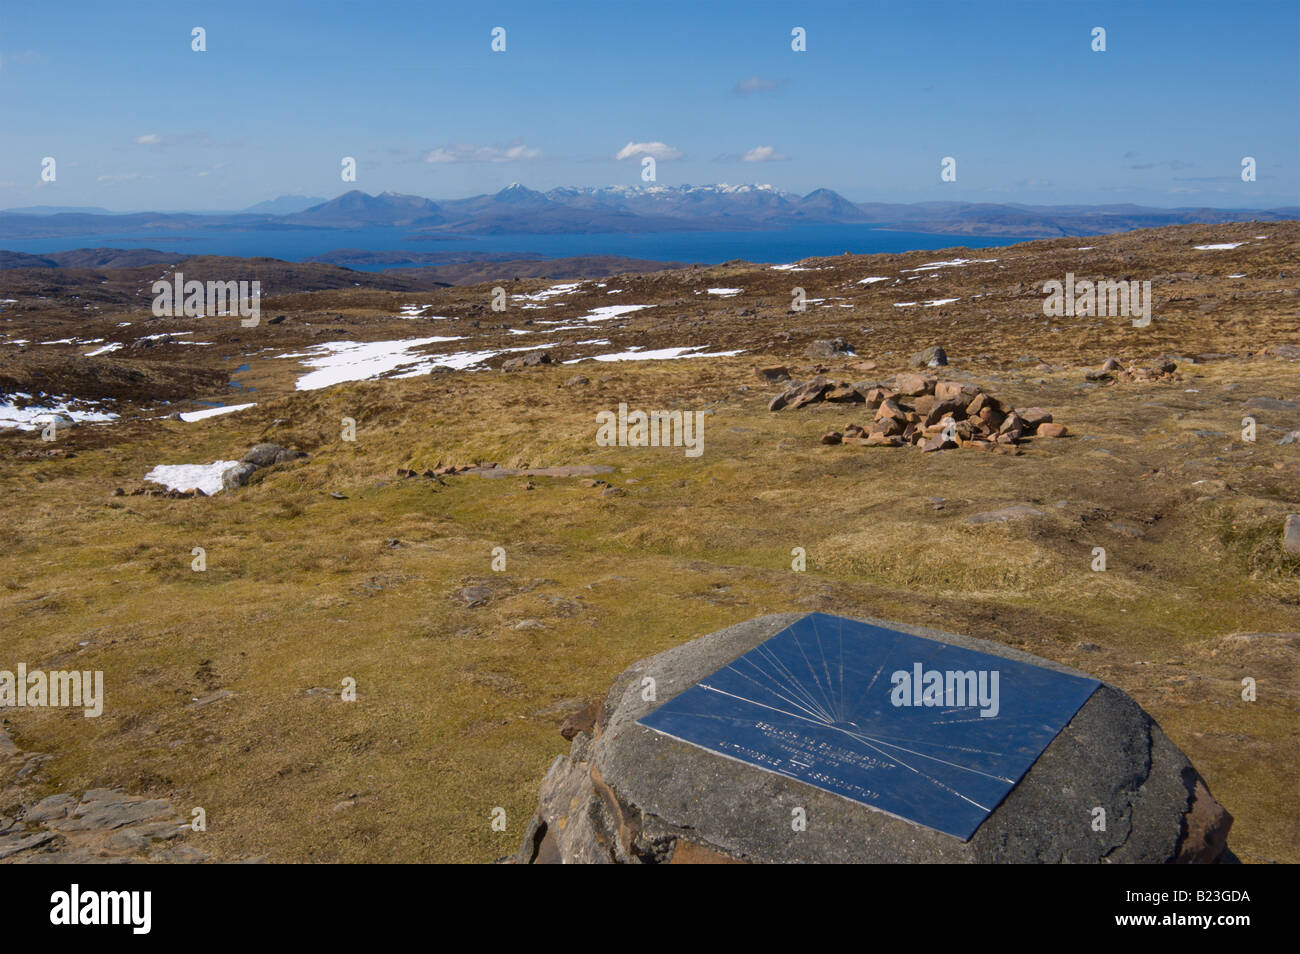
<point>775,247</point>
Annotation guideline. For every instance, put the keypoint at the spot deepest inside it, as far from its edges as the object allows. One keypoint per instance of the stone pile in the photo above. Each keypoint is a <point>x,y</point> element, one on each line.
<point>1112,371</point>
<point>922,410</point>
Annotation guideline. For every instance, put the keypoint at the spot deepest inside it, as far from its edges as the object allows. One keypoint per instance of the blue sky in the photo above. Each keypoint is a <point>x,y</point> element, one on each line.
<point>136,120</point>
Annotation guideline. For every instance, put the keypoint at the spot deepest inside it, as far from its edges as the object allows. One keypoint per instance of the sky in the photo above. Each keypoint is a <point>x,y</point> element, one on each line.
<point>135,119</point>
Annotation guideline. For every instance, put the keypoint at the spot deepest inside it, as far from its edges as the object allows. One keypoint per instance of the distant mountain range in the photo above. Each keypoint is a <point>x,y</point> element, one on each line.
<point>625,209</point>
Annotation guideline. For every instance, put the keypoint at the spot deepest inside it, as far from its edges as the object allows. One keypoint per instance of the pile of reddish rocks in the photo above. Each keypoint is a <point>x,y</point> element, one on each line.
<point>1111,371</point>
<point>918,409</point>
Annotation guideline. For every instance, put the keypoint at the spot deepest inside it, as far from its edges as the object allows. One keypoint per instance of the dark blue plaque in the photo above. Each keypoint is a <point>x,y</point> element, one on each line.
<point>922,730</point>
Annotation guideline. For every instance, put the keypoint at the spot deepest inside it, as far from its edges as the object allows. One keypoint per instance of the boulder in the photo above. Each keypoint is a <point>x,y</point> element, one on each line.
<point>581,721</point>
<point>952,390</point>
<point>932,357</point>
<point>532,359</point>
<point>937,442</point>
<point>876,396</point>
<point>1034,416</point>
<point>829,348</point>
<point>844,394</point>
<point>627,794</point>
<point>263,455</point>
<point>237,475</point>
<point>1291,534</point>
<point>941,410</point>
<point>800,395</point>
<point>890,410</point>
<point>1013,427</point>
<point>913,385</point>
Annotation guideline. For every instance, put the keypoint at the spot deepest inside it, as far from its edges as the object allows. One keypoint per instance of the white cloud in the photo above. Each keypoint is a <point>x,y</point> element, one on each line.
<point>462,152</point>
<point>763,154</point>
<point>756,84</point>
<point>195,138</point>
<point>658,150</point>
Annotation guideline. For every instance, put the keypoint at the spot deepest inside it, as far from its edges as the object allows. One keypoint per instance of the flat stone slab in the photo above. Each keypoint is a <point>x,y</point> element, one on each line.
<point>1108,787</point>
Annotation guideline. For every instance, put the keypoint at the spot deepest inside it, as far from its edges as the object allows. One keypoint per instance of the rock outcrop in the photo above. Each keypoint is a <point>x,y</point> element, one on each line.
<point>626,794</point>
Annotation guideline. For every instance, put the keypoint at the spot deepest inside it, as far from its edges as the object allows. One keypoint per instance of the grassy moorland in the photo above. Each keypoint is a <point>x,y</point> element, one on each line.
<point>223,686</point>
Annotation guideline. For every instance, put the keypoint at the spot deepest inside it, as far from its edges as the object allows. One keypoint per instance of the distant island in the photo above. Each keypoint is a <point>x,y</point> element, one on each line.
<point>517,209</point>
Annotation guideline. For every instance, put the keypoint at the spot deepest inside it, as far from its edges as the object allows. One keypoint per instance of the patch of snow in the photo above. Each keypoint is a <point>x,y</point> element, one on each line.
<point>660,354</point>
<point>458,360</point>
<point>1238,275</point>
<point>547,293</point>
<point>204,477</point>
<point>868,281</point>
<point>940,301</point>
<point>956,262</point>
<point>1216,248</point>
<point>413,311</point>
<point>339,361</point>
<point>34,417</point>
<point>111,346</point>
<point>606,312</point>
<point>725,292</point>
<point>190,416</point>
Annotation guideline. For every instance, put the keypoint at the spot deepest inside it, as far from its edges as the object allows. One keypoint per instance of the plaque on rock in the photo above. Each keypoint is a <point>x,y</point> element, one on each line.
<point>926,731</point>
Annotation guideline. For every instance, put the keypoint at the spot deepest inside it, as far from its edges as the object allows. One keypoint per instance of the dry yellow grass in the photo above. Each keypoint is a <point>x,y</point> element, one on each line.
<point>456,706</point>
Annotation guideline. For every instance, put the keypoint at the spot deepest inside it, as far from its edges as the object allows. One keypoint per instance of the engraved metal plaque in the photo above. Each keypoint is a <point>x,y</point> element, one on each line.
<point>920,729</point>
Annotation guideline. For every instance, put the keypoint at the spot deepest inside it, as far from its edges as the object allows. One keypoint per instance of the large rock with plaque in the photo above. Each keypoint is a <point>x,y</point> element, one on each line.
<point>815,738</point>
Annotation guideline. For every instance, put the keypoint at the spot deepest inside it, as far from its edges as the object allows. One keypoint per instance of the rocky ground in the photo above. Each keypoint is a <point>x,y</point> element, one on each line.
<point>98,826</point>
<point>375,560</point>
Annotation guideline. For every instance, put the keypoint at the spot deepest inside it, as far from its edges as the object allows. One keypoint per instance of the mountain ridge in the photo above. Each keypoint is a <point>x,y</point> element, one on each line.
<point>635,208</point>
